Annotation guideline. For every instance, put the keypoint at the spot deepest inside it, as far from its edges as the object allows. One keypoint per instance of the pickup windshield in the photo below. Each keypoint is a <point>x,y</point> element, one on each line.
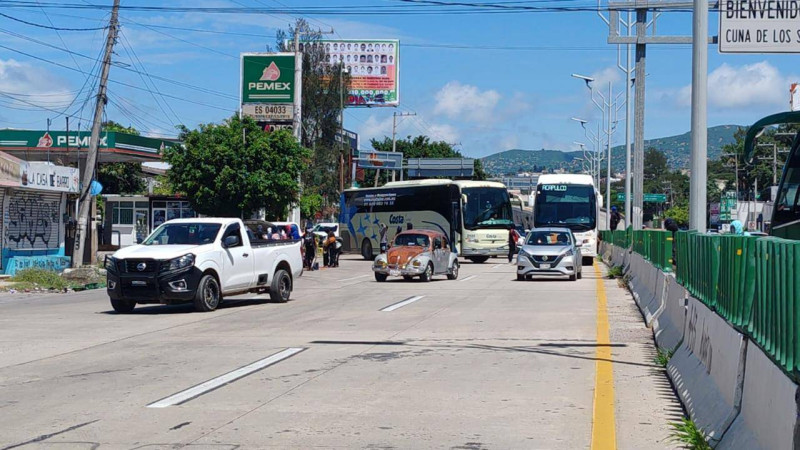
<point>184,234</point>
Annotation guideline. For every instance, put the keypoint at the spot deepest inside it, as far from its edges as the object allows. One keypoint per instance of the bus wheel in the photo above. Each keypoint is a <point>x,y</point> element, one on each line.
<point>366,250</point>
<point>587,261</point>
<point>478,259</point>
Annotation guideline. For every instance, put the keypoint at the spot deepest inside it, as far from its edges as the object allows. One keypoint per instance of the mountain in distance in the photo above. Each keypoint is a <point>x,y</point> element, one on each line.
<point>675,148</point>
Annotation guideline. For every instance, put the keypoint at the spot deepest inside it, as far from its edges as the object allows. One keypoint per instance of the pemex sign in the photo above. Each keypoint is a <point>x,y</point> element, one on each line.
<point>267,86</point>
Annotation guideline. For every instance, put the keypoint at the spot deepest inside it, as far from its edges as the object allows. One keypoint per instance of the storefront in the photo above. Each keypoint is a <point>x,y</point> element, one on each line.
<point>34,207</point>
<point>129,219</point>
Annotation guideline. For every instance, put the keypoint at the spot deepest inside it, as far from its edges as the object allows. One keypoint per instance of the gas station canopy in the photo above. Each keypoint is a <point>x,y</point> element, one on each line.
<point>32,145</point>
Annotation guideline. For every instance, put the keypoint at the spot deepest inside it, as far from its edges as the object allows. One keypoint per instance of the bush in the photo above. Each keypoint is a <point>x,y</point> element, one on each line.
<point>42,278</point>
<point>688,434</point>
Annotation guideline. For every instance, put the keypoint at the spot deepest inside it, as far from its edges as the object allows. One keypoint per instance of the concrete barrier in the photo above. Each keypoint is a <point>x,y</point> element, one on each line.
<point>653,304</point>
<point>707,370</point>
<point>643,284</point>
<point>769,417</point>
<point>669,324</point>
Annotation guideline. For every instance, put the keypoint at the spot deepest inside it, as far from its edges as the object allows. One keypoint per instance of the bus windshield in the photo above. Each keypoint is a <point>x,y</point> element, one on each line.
<point>573,206</point>
<point>487,208</point>
<point>787,205</point>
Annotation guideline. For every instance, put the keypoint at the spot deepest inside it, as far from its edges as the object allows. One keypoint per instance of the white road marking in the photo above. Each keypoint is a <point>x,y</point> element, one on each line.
<point>497,265</point>
<point>214,383</point>
<point>468,278</point>
<point>403,303</point>
<point>354,278</point>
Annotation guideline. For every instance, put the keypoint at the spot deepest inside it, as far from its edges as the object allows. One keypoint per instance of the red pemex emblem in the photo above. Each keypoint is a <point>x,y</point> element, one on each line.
<point>271,73</point>
<point>45,141</point>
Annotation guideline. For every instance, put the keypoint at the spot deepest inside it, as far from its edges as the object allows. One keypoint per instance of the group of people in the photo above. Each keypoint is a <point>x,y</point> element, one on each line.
<point>331,249</point>
<point>287,232</point>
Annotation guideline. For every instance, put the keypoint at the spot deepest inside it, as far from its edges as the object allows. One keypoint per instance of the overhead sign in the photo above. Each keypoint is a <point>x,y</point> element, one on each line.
<point>648,198</point>
<point>11,140</point>
<point>49,177</point>
<point>759,26</point>
<point>370,159</point>
<point>441,167</point>
<point>267,86</point>
<point>374,68</point>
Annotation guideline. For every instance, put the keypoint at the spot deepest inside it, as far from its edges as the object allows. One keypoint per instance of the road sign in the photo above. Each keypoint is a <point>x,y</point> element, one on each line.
<point>369,159</point>
<point>758,27</point>
<point>268,112</point>
<point>648,198</point>
<point>440,167</point>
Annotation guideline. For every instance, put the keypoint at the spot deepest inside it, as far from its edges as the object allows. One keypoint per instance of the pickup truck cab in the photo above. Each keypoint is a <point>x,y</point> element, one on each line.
<point>199,261</point>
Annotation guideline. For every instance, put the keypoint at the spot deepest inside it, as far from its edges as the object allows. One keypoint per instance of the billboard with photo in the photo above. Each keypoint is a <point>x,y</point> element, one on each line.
<point>374,69</point>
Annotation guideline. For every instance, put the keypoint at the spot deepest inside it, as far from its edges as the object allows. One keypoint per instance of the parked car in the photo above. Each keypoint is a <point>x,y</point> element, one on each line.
<point>413,253</point>
<point>549,251</point>
<point>200,261</point>
<point>323,228</point>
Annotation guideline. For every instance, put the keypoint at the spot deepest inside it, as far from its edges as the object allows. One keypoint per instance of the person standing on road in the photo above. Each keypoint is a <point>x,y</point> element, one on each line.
<point>615,218</point>
<point>512,243</point>
<point>310,247</point>
<point>329,247</point>
<point>384,232</point>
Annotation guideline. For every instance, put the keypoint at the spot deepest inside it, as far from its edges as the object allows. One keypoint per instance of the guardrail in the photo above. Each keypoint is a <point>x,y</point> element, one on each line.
<point>751,282</point>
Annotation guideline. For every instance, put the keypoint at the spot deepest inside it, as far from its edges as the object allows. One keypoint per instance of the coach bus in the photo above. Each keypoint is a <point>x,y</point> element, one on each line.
<point>570,201</point>
<point>475,215</point>
<point>785,221</point>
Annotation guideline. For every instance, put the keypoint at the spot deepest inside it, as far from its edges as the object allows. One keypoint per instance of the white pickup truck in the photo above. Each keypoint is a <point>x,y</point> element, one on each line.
<point>200,261</point>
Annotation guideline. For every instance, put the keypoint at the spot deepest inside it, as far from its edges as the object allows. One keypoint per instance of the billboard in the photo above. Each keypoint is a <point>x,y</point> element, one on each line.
<point>759,27</point>
<point>374,69</point>
<point>370,159</point>
<point>267,86</point>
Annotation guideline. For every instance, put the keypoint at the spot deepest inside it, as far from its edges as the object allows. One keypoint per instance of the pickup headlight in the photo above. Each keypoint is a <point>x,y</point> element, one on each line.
<point>181,262</point>
<point>111,264</point>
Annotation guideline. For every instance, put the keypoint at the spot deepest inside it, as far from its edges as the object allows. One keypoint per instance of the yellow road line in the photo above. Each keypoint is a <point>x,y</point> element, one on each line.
<point>603,423</point>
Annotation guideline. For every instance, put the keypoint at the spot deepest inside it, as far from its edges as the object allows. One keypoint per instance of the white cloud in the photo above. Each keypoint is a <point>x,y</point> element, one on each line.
<point>466,102</point>
<point>603,77</point>
<point>759,84</point>
<point>509,141</point>
<point>33,85</point>
<point>443,132</point>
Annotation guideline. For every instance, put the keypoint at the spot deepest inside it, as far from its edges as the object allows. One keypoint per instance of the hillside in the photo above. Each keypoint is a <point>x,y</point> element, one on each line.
<point>675,148</point>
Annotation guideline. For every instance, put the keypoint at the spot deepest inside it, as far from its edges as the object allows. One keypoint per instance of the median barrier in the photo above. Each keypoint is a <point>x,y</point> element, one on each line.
<point>707,370</point>
<point>653,304</point>
<point>769,416</point>
<point>669,324</point>
<point>643,286</point>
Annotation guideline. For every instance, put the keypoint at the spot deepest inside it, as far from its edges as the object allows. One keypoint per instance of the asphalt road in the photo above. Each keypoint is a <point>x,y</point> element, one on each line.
<point>480,362</point>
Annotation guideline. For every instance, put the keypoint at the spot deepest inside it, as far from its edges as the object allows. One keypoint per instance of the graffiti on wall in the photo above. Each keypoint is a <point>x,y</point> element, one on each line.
<point>32,221</point>
<point>53,263</point>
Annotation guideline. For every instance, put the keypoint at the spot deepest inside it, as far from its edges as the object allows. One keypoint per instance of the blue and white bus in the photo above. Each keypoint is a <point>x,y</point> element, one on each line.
<point>475,215</point>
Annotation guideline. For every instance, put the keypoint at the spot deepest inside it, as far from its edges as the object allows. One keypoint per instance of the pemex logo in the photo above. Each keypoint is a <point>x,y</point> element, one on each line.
<point>45,141</point>
<point>271,73</point>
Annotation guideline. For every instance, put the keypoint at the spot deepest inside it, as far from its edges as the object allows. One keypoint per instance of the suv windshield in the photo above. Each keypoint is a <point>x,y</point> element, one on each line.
<point>487,208</point>
<point>184,234</point>
<point>405,240</point>
<point>548,238</point>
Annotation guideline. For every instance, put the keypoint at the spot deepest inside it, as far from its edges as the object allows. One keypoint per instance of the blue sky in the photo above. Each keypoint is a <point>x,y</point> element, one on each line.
<point>484,100</point>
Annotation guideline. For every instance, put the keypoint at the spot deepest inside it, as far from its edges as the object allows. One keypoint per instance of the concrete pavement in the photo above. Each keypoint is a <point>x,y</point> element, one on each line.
<point>480,362</point>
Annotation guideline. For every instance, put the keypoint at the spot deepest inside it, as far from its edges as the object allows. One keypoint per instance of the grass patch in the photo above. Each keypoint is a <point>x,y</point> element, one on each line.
<point>615,272</point>
<point>663,356</point>
<point>687,433</point>
<point>38,278</point>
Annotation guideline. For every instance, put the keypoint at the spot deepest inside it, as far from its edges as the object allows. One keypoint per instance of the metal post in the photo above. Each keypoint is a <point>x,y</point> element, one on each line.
<point>86,199</point>
<point>394,136</point>
<point>297,117</point>
<point>628,129</point>
<point>774,164</point>
<point>638,128</point>
<point>697,183</point>
<point>608,156</point>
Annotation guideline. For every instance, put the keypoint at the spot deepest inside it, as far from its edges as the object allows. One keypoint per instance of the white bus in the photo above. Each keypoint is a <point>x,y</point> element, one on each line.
<point>570,201</point>
<point>475,215</point>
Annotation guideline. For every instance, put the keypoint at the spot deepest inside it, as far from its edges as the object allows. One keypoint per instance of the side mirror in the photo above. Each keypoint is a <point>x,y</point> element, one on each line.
<point>231,241</point>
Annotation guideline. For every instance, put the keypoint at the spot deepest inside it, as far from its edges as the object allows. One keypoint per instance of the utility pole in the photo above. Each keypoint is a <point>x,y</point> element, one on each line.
<point>91,157</point>
<point>608,157</point>
<point>394,137</point>
<point>699,167</point>
<point>638,127</point>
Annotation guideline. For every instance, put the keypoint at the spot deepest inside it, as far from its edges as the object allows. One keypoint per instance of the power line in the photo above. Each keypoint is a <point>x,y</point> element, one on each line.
<point>50,27</point>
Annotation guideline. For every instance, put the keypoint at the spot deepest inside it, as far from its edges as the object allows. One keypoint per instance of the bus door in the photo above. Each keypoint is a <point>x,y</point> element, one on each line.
<point>455,227</point>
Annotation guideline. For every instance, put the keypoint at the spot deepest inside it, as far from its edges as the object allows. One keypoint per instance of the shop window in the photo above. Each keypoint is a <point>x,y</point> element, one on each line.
<point>121,213</point>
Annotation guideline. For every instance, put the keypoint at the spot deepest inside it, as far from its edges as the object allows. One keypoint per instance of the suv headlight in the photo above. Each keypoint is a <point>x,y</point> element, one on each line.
<point>181,262</point>
<point>569,252</point>
<point>111,263</point>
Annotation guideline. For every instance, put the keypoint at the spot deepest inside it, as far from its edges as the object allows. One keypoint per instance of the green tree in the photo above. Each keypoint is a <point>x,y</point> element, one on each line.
<point>324,92</point>
<point>421,147</point>
<point>122,177</point>
<point>235,168</point>
<point>679,214</point>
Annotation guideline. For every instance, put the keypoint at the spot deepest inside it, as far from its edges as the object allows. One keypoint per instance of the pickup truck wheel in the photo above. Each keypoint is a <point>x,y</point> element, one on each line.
<point>208,294</point>
<point>123,306</point>
<point>380,277</point>
<point>366,250</point>
<point>453,272</point>
<point>281,287</point>
<point>428,274</point>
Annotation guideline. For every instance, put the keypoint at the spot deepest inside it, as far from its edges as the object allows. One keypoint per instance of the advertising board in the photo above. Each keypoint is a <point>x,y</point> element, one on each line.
<point>374,69</point>
<point>267,86</point>
<point>755,26</point>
